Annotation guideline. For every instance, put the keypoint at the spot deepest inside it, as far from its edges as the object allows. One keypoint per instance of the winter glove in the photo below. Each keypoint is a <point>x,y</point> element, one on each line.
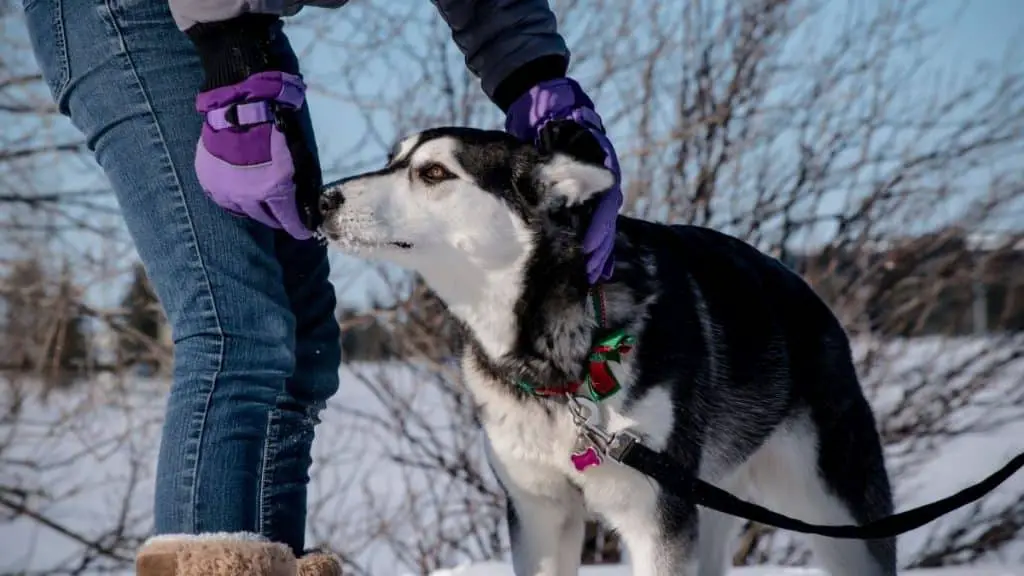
<point>563,99</point>
<point>253,157</point>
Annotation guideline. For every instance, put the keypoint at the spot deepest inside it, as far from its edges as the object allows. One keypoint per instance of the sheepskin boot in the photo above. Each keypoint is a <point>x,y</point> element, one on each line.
<point>222,554</point>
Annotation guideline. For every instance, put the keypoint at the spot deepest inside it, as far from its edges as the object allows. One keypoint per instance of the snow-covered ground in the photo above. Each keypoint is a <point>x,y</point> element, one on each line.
<point>502,569</point>
<point>83,463</point>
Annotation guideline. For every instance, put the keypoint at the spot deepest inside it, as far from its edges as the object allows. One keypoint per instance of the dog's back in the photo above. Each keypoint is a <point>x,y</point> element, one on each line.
<point>767,400</point>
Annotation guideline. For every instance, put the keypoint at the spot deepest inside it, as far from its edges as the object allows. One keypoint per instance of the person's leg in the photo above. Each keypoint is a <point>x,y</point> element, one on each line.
<point>244,301</point>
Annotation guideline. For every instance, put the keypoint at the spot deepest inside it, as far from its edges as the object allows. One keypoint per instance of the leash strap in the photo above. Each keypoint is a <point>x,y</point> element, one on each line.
<point>679,480</point>
<point>671,475</point>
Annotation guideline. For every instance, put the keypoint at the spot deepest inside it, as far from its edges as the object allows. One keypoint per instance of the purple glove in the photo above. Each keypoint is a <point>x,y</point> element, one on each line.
<point>252,158</point>
<point>562,99</point>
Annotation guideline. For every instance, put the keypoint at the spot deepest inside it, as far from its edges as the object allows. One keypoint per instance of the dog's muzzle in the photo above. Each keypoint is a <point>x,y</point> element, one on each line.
<point>331,199</point>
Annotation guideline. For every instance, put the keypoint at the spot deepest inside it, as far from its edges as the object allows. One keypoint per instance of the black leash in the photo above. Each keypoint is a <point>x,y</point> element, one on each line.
<point>672,477</point>
<point>676,479</point>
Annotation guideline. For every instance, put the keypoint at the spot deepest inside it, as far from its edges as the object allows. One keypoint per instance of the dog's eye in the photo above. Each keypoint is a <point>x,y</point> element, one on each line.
<point>435,173</point>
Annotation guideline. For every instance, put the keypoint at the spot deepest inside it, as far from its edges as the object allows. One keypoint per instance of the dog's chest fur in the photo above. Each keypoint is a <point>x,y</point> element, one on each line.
<point>531,442</point>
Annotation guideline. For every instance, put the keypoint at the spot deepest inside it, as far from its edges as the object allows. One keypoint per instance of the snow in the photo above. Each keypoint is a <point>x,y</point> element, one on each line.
<point>503,569</point>
<point>90,455</point>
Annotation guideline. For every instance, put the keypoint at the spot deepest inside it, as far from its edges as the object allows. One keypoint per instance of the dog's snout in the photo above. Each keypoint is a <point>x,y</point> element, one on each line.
<point>331,199</point>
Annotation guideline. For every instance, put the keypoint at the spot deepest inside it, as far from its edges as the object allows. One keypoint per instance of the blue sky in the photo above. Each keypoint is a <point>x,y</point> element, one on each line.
<point>982,29</point>
<point>973,31</point>
<point>978,30</point>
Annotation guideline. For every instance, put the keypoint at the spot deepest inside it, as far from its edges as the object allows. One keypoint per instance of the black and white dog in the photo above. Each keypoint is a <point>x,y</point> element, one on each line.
<point>737,368</point>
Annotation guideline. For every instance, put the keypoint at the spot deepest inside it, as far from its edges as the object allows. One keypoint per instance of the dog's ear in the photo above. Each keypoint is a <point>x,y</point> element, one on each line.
<point>571,182</point>
<point>571,170</point>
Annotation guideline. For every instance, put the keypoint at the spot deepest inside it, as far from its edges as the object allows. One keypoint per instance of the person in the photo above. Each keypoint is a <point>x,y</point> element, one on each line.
<point>196,111</point>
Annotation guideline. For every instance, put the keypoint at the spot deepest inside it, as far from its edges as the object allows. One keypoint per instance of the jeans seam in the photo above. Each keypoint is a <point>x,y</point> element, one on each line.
<point>267,458</point>
<point>62,46</point>
<point>193,246</point>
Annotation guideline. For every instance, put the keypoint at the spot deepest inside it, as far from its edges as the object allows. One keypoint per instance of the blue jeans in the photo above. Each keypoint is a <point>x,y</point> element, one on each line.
<point>256,344</point>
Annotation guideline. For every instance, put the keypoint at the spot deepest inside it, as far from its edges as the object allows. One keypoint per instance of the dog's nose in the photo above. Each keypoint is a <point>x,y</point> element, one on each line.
<point>330,199</point>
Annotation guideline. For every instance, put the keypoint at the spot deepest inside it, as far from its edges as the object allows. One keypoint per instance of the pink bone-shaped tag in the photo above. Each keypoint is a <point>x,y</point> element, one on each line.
<point>585,459</point>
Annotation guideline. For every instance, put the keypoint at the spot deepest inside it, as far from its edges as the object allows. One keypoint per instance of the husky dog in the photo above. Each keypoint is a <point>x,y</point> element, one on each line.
<point>738,370</point>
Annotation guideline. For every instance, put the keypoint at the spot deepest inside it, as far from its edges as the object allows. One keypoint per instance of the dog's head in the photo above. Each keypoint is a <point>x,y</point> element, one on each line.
<point>474,195</point>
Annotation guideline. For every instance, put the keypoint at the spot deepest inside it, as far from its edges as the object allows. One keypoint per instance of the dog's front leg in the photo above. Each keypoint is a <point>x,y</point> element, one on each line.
<point>659,530</point>
<point>546,533</point>
<point>664,544</point>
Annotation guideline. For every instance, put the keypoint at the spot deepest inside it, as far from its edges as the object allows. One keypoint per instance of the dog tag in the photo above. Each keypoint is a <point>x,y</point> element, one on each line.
<point>584,454</point>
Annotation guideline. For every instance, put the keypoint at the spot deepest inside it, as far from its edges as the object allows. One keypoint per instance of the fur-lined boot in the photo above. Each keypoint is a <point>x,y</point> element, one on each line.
<point>239,554</point>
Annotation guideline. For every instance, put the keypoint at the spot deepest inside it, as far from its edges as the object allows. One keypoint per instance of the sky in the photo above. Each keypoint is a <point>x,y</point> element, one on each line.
<point>979,29</point>
<point>975,31</point>
<point>982,30</point>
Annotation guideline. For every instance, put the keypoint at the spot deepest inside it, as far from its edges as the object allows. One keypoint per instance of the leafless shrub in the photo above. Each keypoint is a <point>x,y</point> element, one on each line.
<point>821,132</point>
<point>75,448</point>
<point>74,477</point>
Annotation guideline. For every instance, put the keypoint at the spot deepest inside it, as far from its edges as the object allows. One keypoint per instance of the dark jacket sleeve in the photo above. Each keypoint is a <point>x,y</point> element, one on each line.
<point>509,44</point>
<point>189,12</point>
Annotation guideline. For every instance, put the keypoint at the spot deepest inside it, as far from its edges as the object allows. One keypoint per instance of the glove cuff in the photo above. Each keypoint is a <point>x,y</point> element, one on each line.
<point>527,76</point>
<point>233,50</point>
<point>549,100</point>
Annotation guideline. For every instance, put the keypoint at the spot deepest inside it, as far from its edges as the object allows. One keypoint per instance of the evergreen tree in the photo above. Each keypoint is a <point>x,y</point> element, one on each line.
<point>24,315</point>
<point>363,338</point>
<point>70,349</point>
<point>44,325</point>
<point>143,322</point>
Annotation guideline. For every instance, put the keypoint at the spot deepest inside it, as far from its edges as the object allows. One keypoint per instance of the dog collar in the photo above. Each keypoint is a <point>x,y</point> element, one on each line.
<point>599,382</point>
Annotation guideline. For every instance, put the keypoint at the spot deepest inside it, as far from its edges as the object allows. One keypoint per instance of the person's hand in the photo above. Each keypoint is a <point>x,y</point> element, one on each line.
<point>253,159</point>
<point>563,99</point>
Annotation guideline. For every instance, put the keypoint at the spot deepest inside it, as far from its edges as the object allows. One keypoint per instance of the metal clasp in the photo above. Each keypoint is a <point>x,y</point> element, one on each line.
<point>586,415</point>
<point>620,444</point>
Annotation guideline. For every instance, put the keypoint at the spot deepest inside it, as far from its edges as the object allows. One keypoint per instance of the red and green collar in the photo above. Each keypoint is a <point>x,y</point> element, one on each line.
<point>599,382</point>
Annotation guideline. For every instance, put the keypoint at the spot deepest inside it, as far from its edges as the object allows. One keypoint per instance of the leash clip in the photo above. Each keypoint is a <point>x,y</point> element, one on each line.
<point>620,445</point>
<point>601,444</point>
<point>586,415</point>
